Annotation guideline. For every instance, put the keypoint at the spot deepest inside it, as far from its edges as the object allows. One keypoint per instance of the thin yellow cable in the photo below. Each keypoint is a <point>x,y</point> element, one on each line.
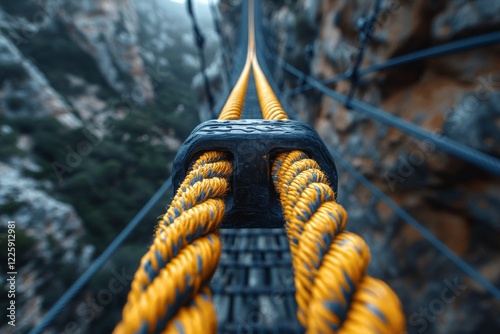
<point>269,104</point>
<point>234,104</point>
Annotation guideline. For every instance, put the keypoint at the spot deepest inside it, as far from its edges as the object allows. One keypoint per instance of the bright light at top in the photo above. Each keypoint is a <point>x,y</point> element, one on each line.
<point>183,1</point>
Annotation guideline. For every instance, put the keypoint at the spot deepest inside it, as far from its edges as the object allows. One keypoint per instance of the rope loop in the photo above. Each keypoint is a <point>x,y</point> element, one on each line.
<point>330,264</point>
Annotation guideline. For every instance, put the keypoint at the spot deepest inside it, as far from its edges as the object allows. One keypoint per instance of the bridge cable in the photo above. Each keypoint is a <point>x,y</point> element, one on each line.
<point>82,281</point>
<point>461,151</point>
<point>367,29</point>
<point>200,44</point>
<point>465,44</point>
<point>487,162</point>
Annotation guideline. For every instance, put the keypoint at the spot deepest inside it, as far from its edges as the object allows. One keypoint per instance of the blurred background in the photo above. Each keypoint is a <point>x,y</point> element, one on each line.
<point>96,96</point>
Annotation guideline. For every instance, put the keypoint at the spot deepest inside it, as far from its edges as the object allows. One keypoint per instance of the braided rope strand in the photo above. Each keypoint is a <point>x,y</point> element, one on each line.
<point>171,282</point>
<point>200,311</point>
<point>195,212</point>
<point>234,105</point>
<point>333,292</point>
<point>269,104</point>
<point>178,283</point>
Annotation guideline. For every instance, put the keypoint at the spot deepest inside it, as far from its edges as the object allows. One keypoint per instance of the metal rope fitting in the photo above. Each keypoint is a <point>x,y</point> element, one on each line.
<point>253,144</point>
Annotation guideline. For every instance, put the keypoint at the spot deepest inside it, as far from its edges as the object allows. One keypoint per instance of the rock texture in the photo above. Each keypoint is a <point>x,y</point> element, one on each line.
<point>53,229</point>
<point>24,90</point>
<point>454,96</point>
<point>116,74</point>
<point>108,31</point>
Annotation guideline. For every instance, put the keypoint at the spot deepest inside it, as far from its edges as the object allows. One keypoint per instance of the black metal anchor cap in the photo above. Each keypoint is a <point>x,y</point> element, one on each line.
<point>253,145</point>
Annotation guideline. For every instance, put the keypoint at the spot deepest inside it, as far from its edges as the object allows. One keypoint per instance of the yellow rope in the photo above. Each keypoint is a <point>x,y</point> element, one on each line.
<point>170,291</point>
<point>197,317</point>
<point>269,104</point>
<point>175,271</point>
<point>333,292</point>
<point>234,104</point>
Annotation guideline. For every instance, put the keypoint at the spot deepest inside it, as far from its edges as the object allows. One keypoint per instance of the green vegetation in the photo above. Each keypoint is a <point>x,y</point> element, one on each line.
<point>14,103</point>
<point>24,246</point>
<point>113,181</point>
<point>8,147</point>
<point>61,276</point>
<point>123,169</point>
<point>56,55</point>
<point>10,207</point>
<point>116,175</point>
<point>14,72</point>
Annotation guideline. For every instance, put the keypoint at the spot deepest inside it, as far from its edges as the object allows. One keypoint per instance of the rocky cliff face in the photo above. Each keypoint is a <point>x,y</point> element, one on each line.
<point>26,92</point>
<point>74,72</point>
<point>108,31</point>
<point>49,241</point>
<point>456,96</point>
<point>95,99</point>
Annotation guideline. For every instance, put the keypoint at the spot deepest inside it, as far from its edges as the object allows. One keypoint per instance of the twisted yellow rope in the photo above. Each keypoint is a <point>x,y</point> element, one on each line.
<point>171,282</point>
<point>169,292</point>
<point>234,104</point>
<point>333,292</point>
<point>197,317</point>
<point>269,104</point>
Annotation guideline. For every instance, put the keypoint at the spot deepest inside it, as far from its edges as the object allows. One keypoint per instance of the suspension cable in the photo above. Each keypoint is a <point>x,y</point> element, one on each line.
<point>200,44</point>
<point>465,44</point>
<point>82,281</point>
<point>461,151</point>
<point>445,144</point>
<point>367,29</point>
